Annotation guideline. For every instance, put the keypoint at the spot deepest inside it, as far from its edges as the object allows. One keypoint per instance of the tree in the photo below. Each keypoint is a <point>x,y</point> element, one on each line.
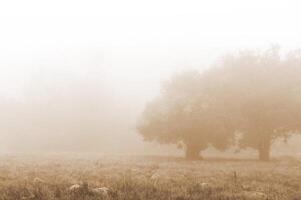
<point>60,112</point>
<point>264,89</point>
<point>183,113</point>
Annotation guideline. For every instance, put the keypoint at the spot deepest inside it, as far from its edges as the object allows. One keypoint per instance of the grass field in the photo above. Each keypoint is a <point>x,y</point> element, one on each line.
<point>134,177</point>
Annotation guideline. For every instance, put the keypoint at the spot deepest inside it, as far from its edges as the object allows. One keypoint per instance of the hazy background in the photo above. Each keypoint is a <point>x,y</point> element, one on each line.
<point>121,51</point>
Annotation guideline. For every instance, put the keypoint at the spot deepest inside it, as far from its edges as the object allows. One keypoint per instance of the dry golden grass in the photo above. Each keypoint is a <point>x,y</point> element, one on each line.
<point>130,177</point>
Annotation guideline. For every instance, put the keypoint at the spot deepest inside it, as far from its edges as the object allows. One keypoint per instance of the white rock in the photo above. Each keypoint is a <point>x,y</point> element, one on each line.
<point>37,180</point>
<point>101,191</point>
<point>204,185</point>
<point>74,187</point>
<point>32,196</point>
<point>256,195</point>
<point>155,176</point>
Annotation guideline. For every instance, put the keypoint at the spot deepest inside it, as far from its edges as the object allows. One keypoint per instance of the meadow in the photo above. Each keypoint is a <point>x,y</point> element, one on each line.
<point>146,177</point>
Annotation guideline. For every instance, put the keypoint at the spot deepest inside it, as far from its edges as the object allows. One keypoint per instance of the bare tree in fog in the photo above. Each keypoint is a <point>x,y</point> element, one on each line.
<point>184,113</point>
<point>264,89</point>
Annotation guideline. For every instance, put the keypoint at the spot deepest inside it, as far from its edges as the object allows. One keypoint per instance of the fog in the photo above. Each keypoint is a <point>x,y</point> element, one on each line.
<point>75,62</point>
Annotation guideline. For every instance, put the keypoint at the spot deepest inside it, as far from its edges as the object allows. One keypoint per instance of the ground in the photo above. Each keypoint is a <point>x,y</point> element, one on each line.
<point>148,177</point>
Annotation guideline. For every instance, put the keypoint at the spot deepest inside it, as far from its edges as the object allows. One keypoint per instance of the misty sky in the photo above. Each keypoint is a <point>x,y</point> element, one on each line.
<point>135,44</point>
<point>130,47</point>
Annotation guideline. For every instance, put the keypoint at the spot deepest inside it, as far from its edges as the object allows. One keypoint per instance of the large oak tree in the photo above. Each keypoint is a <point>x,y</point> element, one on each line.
<point>264,89</point>
<point>184,113</point>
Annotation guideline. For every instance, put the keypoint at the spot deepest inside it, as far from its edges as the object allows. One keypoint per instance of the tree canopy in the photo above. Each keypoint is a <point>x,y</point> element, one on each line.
<point>266,90</point>
<point>184,113</point>
<point>256,94</point>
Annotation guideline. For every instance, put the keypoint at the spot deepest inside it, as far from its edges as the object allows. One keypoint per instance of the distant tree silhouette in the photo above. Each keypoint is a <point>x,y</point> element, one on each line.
<point>59,113</point>
<point>184,113</point>
<point>264,89</point>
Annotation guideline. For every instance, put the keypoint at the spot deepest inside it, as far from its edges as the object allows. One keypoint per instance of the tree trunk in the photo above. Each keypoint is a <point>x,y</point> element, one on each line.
<point>193,152</point>
<point>264,150</point>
